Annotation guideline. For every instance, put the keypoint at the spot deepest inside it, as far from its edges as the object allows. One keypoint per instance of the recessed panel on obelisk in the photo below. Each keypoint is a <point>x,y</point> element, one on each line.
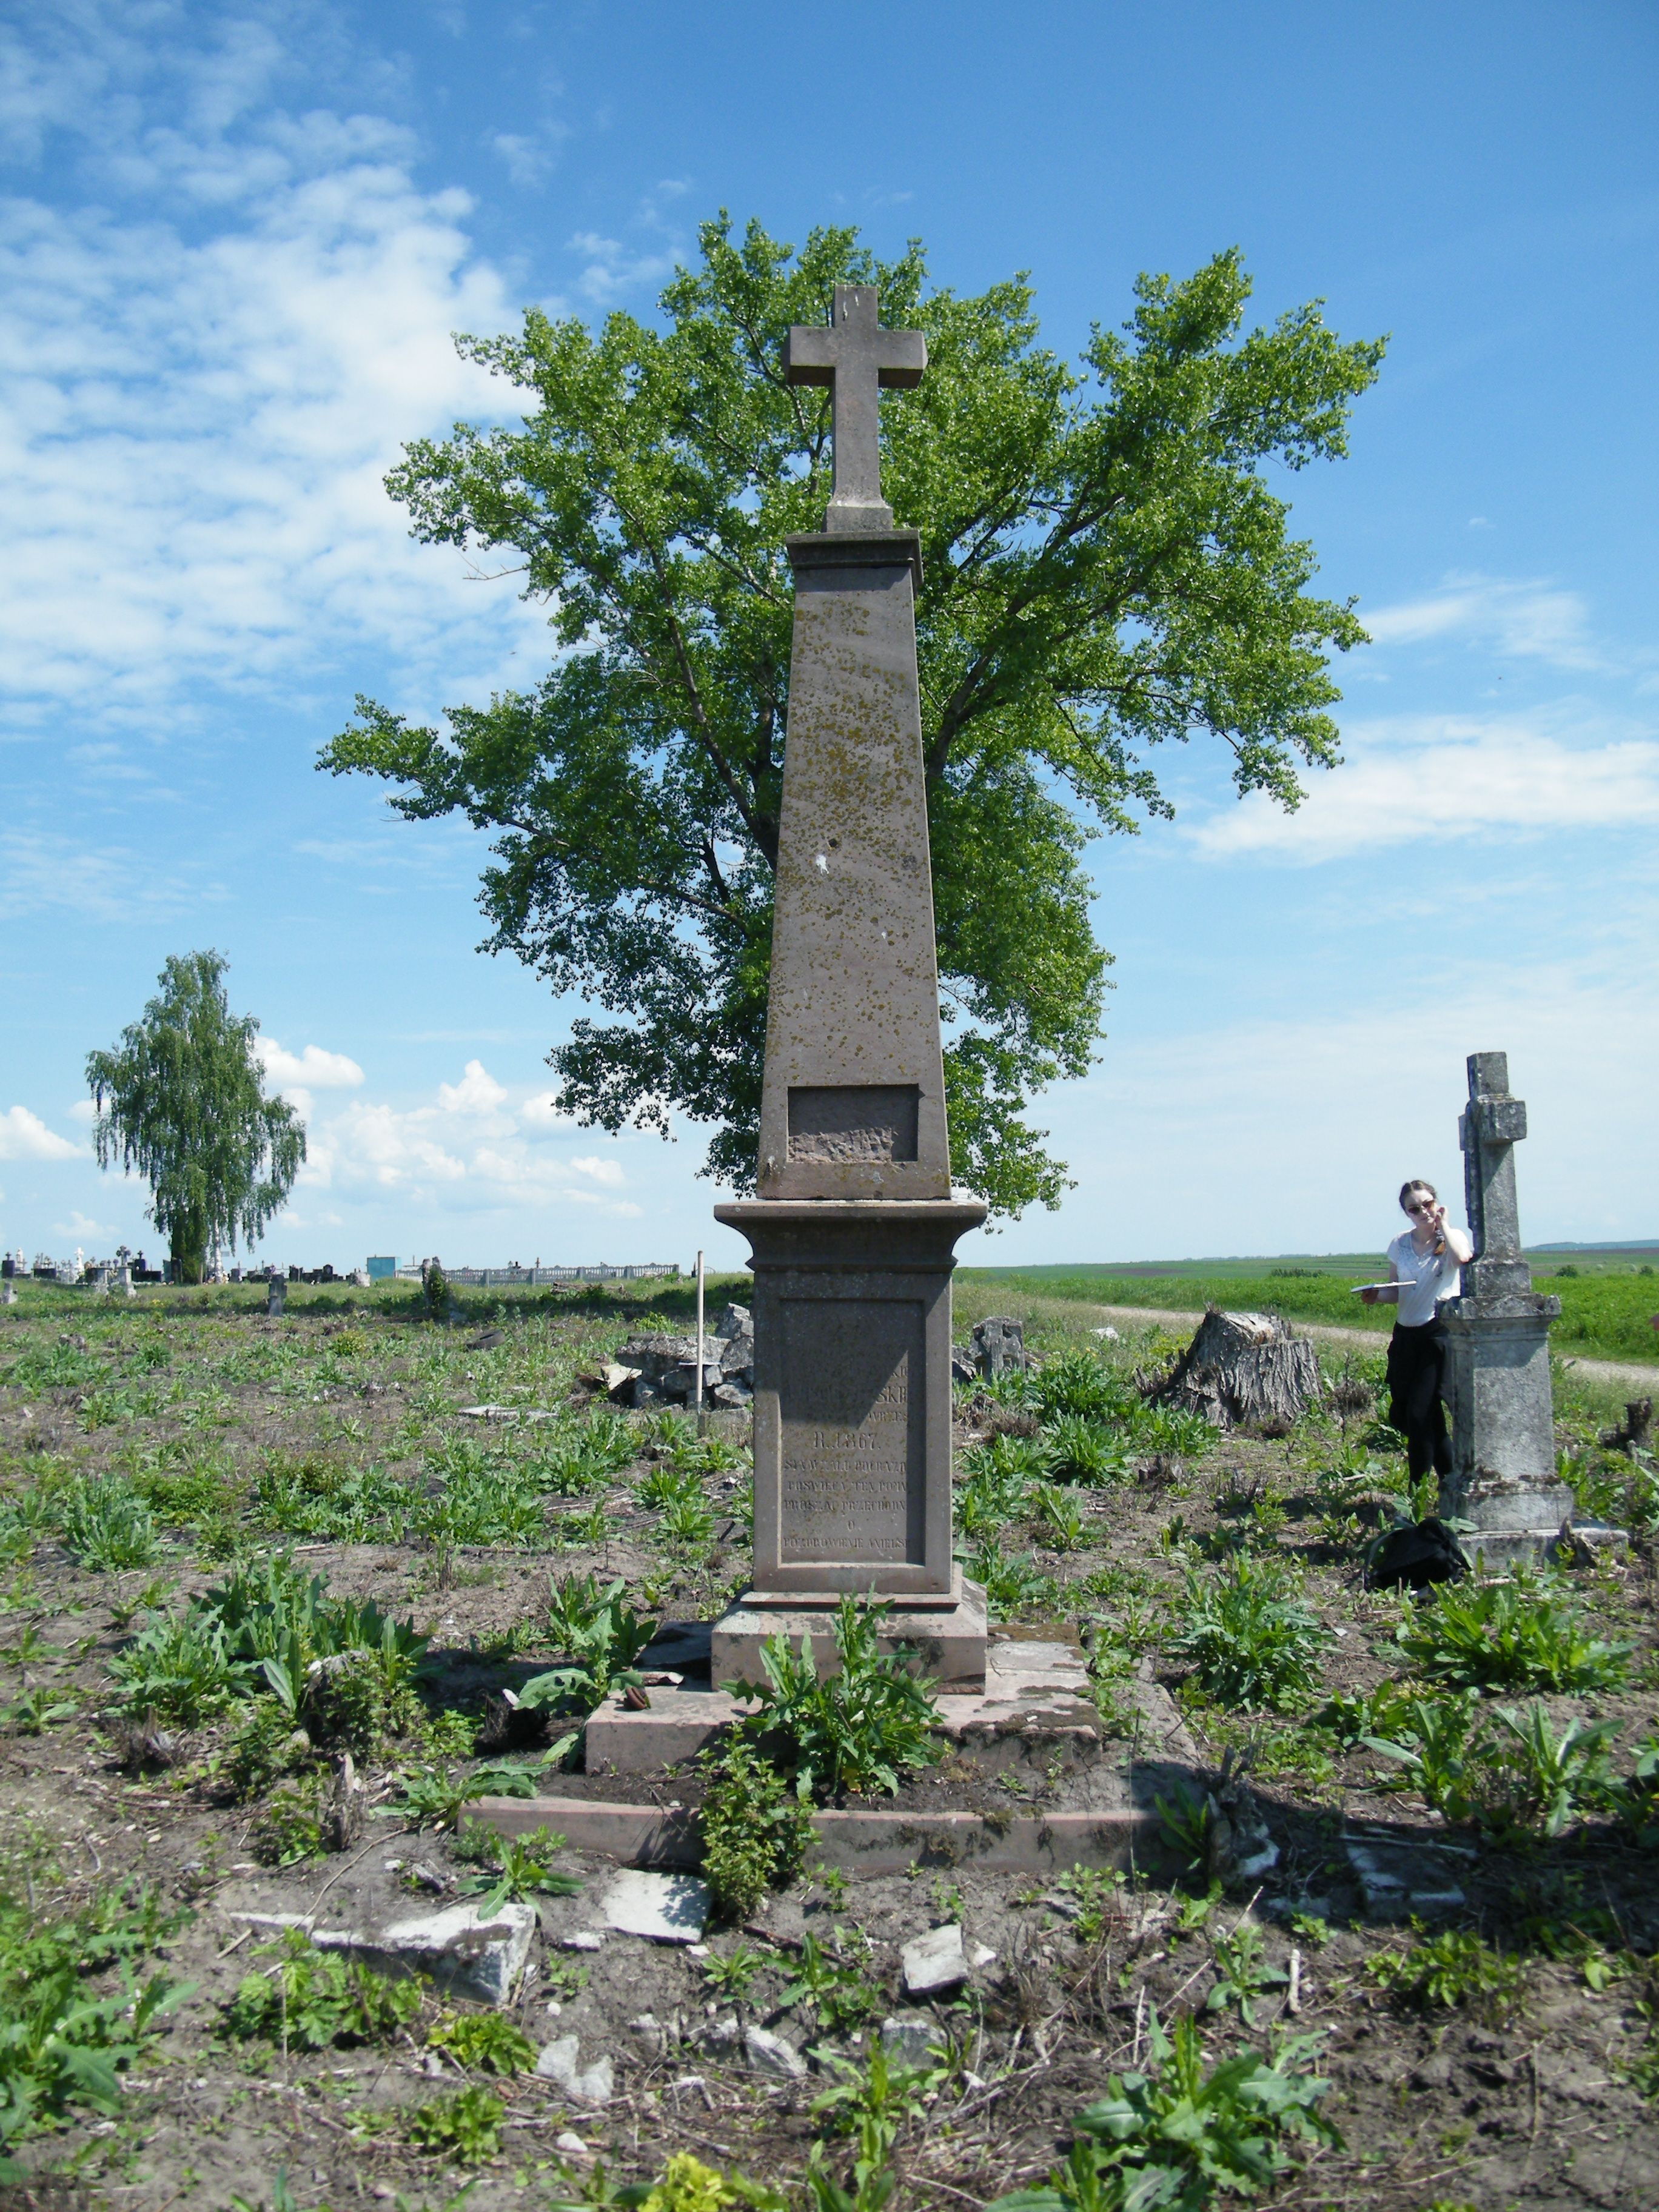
<point>854,1228</point>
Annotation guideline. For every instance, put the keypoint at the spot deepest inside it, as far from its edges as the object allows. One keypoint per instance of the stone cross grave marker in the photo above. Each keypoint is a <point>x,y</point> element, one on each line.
<point>854,1228</point>
<point>1503,1477</point>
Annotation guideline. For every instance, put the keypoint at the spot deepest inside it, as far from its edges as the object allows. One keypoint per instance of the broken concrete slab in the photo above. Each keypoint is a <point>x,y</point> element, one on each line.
<point>934,1962</point>
<point>912,2040</point>
<point>588,2085</point>
<point>464,1951</point>
<point>1398,1875</point>
<point>668,1908</point>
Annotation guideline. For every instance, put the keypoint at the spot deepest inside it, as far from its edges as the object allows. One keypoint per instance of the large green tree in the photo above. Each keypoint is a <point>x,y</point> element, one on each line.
<point>181,1101</point>
<point>1106,568</point>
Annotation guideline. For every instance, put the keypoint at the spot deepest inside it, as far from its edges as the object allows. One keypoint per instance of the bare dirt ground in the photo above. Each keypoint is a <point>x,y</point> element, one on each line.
<point>336,1434</point>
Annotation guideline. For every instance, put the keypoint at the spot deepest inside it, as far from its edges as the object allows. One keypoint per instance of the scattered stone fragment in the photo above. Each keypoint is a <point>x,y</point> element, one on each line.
<point>572,2145</point>
<point>669,1908</point>
<point>589,2085</point>
<point>935,1961</point>
<point>981,1955</point>
<point>909,2040</point>
<point>583,1939</point>
<point>722,2035</point>
<point>770,2054</point>
<point>461,1950</point>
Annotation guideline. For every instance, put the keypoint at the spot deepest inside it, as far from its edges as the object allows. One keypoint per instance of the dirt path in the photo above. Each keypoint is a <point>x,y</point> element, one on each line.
<point>1595,1371</point>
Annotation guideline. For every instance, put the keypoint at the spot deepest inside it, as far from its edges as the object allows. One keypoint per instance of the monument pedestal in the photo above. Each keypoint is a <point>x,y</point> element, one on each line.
<point>852,1308</point>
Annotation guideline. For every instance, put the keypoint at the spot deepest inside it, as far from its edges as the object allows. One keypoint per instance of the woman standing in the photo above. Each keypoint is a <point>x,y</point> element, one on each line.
<point>1425,1263</point>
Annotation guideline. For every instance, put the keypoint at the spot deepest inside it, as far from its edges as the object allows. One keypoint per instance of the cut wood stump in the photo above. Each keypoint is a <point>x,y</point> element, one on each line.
<point>1243,1371</point>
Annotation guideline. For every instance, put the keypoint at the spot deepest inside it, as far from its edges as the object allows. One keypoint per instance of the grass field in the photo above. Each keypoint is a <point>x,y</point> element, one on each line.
<point>1607,1310</point>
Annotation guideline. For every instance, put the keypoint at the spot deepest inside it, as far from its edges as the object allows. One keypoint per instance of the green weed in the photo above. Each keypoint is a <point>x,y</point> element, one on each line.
<point>1527,1633</point>
<point>312,2000</point>
<point>1178,2135</point>
<point>465,2127</point>
<point>105,1526</point>
<point>757,1829</point>
<point>523,1868</point>
<point>857,1729</point>
<point>1449,1969</point>
<point>1249,1638</point>
<point>484,2042</point>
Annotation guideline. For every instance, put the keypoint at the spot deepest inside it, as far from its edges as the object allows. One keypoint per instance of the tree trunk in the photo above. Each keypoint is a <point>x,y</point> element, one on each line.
<point>1243,1371</point>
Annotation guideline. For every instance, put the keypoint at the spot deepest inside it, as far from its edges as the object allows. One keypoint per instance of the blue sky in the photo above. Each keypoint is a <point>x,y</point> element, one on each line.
<point>233,242</point>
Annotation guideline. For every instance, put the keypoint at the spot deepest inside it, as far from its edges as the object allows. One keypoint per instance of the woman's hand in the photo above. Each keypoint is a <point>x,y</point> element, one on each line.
<point>1369,1297</point>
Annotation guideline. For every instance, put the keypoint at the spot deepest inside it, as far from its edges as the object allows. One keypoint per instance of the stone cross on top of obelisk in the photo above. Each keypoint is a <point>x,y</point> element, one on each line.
<point>858,360</point>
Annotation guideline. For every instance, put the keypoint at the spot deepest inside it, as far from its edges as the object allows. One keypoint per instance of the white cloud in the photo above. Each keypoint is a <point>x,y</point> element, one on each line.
<point>81,1226</point>
<point>542,1113</point>
<point>529,160</point>
<point>477,1093</point>
<point>198,407</point>
<point>609,1172</point>
<point>467,1145</point>
<point>611,270</point>
<point>1450,778</point>
<point>25,1136</point>
<point>1521,619</point>
<point>315,1068</point>
<point>84,1111</point>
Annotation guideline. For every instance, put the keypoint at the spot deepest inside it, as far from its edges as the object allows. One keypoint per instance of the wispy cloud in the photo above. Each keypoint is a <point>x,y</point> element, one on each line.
<point>211,356</point>
<point>1449,778</point>
<point>1516,619</point>
<point>529,160</point>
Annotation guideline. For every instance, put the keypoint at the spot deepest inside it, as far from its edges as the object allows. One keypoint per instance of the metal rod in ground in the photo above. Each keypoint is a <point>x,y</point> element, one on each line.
<point>703,1416</point>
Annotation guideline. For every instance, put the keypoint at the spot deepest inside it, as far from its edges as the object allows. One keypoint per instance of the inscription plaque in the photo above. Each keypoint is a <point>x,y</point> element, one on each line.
<point>851,1419</point>
<point>853,1120</point>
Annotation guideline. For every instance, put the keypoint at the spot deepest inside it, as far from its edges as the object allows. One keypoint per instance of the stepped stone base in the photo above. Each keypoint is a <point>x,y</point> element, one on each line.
<point>948,1632</point>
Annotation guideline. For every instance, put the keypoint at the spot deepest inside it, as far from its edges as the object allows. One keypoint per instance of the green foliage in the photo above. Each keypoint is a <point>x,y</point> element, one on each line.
<point>1015,1587</point>
<point>522,1868</point>
<point>265,1745</point>
<point>1085,1450</point>
<point>882,2091</point>
<point>731,1973</point>
<point>832,1986</point>
<point>1178,2135</point>
<point>181,1102</point>
<point>1243,1973</point>
<point>857,1729</point>
<point>1449,1969</point>
<point>604,1638</point>
<point>1249,1638</point>
<point>1526,1633</point>
<point>436,1797</point>
<point>179,1668</point>
<point>106,1525</point>
<point>1105,569</point>
<point>484,2042</point>
<point>755,1828</point>
<point>1531,1779</point>
<point>290,1828</point>
<point>61,2046</point>
<point>312,2000</point>
<point>1055,1517</point>
<point>465,2126</point>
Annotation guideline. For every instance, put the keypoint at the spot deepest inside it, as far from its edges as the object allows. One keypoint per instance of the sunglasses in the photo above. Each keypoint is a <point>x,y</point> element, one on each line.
<point>1423,1207</point>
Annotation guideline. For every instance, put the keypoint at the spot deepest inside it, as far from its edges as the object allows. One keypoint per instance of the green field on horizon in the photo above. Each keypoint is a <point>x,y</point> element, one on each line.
<point>1609,1300</point>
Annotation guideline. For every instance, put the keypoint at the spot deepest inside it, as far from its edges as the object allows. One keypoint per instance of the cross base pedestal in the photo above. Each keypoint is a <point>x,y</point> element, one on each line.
<point>948,1632</point>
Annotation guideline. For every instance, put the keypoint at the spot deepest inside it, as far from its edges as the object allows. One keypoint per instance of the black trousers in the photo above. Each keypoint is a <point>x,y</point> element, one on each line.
<point>1417,1374</point>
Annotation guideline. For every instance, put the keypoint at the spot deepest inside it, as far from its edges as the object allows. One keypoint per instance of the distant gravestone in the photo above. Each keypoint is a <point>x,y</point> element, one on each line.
<point>854,1226</point>
<point>275,1295</point>
<point>999,1346</point>
<point>8,1292</point>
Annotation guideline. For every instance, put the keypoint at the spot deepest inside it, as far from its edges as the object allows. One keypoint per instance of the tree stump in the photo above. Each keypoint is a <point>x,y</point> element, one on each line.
<point>1243,1371</point>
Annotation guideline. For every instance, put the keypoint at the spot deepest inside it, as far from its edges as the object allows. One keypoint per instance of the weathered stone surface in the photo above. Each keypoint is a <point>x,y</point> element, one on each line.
<point>470,1955</point>
<point>670,1908</point>
<point>855,1228</point>
<point>1503,1477</point>
<point>949,1640</point>
<point>998,1345</point>
<point>910,2039</point>
<point>934,1962</point>
<point>769,2054</point>
<point>588,2085</point>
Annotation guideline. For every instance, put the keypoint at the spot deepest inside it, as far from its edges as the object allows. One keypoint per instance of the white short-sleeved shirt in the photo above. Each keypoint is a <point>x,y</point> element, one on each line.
<point>1426,1278</point>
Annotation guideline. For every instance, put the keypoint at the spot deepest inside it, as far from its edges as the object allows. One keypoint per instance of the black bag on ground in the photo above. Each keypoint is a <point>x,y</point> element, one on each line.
<point>1416,1554</point>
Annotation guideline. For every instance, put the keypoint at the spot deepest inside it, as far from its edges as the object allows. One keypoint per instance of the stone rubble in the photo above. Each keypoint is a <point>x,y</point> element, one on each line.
<point>588,2085</point>
<point>934,1962</point>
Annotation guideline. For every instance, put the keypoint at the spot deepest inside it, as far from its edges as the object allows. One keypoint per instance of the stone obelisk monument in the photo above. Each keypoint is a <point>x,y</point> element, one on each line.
<point>854,1228</point>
